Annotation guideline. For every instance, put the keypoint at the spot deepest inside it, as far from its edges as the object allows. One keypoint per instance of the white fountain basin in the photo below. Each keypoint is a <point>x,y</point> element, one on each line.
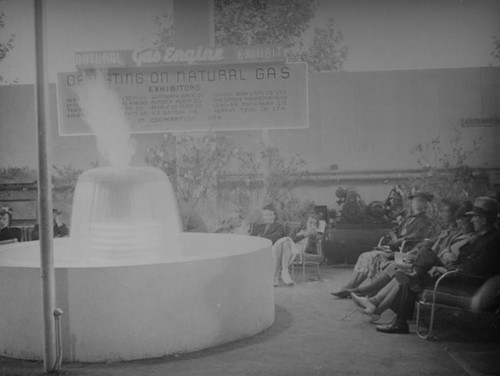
<point>219,290</point>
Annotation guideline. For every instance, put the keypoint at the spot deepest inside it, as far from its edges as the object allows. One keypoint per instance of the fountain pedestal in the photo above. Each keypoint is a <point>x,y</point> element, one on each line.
<point>221,291</point>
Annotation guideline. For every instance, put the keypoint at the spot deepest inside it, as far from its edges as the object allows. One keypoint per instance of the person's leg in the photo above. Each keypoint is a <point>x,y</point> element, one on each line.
<point>386,297</point>
<point>356,279</point>
<point>378,283</point>
<point>287,257</point>
<point>377,304</point>
<point>277,256</point>
<point>358,276</point>
<point>403,305</point>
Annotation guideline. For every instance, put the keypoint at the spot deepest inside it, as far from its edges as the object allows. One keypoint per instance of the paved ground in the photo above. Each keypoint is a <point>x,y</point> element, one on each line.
<point>312,336</point>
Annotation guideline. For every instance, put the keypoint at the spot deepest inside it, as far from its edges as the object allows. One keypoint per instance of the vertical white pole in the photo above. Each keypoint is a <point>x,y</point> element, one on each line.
<point>44,188</point>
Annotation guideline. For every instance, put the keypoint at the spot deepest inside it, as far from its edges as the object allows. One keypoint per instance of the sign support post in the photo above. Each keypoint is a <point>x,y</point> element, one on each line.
<point>44,189</point>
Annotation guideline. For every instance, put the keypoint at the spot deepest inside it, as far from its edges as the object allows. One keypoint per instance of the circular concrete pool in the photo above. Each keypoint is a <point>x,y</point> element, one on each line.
<point>219,290</point>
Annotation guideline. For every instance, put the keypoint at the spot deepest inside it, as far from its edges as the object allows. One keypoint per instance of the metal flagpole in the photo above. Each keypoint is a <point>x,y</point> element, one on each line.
<point>44,188</point>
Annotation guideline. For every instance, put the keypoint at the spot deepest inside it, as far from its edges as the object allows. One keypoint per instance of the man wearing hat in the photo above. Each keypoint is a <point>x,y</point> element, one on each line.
<point>478,260</point>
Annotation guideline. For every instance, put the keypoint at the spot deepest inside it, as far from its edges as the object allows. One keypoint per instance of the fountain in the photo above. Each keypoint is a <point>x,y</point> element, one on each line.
<point>130,283</point>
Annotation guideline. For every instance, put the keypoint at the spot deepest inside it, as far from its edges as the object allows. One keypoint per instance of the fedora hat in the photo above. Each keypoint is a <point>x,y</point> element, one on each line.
<point>484,206</point>
<point>426,196</point>
<point>465,207</point>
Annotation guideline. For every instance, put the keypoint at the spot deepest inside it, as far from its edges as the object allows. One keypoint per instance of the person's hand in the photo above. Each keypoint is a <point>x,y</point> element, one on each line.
<point>395,242</point>
<point>436,271</point>
<point>302,233</point>
<point>58,220</point>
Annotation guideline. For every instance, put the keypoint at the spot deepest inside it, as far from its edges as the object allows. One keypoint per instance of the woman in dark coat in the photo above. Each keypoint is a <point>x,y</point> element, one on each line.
<point>8,233</point>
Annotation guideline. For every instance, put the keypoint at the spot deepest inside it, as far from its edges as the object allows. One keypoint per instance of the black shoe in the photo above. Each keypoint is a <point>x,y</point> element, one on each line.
<point>342,294</point>
<point>398,326</point>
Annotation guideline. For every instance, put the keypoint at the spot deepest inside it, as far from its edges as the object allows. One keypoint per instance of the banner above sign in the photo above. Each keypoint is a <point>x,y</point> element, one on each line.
<point>197,97</point>
<point>175,56</point>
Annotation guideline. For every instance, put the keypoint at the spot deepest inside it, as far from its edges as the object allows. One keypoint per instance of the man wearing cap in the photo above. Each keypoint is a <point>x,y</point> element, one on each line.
<point>478,260</point>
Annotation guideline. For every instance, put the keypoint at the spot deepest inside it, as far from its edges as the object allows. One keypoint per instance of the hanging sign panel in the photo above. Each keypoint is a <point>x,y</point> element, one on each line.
<point>202,97</point>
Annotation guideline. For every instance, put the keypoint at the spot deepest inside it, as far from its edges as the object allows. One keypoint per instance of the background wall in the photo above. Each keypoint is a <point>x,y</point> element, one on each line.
<point>358,121</point>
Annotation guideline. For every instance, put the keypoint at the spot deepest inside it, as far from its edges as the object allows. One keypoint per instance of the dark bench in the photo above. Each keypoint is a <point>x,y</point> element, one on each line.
<point>447,295</point>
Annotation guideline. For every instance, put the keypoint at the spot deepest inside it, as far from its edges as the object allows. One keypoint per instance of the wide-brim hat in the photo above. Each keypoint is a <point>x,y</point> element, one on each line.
<point>484,206</point>
<point>426,196</point>
<point>465,208</point>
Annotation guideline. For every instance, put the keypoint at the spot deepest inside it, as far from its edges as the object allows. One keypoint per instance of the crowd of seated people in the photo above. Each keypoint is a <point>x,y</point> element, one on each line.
<point>440,252</point>
<point>473,253</point>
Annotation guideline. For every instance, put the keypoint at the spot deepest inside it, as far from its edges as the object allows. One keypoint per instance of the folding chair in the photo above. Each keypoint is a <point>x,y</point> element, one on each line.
<point>301,261</point>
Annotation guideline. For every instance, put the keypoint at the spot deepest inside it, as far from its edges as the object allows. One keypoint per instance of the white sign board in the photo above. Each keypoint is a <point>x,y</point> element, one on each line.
<point>243,96</point>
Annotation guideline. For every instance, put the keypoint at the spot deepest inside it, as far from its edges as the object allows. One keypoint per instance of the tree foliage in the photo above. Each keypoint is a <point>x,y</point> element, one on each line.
<point>446,172</point>
<point>163,35</point>
<point>326,53</point>
<point>240,22</point>
<point>6,45</point>
<point>268,177</point>
<point>496,50</point>
<point>192,162</point>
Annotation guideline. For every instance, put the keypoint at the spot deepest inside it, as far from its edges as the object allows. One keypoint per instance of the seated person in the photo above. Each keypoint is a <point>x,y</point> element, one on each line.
<point>321,223</point>
<point>445,251</point>
<point>303,242</point>
<point>8,234</point>
<point>308,236</point>
<point>272,228</point>
<point>59,227</point>
<point>478,261</point>
<point>416,226</point>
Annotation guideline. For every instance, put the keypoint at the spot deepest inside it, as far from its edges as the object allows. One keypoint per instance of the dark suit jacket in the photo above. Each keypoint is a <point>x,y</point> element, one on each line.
<point>8,233</point>
<point>481,257</point>
<point>418,226</point>
<point>273,232</point>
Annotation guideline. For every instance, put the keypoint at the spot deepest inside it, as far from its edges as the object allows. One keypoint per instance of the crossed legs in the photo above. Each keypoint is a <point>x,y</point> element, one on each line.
<point>283,258</point>
<point>378,303</point>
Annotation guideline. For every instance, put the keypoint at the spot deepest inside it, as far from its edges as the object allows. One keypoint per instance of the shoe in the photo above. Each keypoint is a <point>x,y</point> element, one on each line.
<point>367,307</point>
<point>342,294</point>
<point>287,279</point>
<point>374,319</point>
<point>276,281</point>
<point>396,327</point>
